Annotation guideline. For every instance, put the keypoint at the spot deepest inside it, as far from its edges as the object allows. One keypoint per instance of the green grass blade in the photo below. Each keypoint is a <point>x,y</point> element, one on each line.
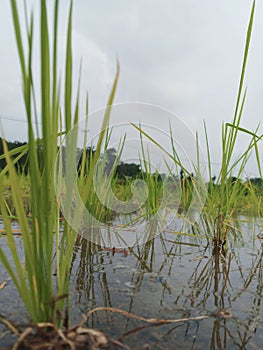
<point>68,73</point>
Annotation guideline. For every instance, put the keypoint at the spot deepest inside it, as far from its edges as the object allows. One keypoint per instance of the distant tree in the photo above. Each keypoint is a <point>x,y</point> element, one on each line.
<point>256,181</point>
<point>110,158</point>
<point>22,163</point>
<point>89,154</point>
<point>125,170</point>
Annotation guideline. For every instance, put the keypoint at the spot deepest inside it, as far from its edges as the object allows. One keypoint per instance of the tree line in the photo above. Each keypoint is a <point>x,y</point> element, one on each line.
<point>122,169</point>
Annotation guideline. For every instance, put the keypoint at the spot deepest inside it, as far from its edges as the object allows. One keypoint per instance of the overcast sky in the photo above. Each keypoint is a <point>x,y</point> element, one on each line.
<point>183,55</point>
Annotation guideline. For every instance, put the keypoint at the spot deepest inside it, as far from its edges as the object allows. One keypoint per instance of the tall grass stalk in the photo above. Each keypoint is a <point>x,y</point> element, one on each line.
<point>42,278</point>
<point>47,247</point>
<point>224,197</point>
<point>33,277</point>
<point>152,178</point>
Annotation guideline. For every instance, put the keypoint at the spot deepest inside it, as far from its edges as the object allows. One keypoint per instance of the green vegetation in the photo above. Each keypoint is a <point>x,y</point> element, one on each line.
<point>229,195</point>
<point>225,198</point>
<point>27,176</point>
<point>46,248</point>
<point>34,277</point>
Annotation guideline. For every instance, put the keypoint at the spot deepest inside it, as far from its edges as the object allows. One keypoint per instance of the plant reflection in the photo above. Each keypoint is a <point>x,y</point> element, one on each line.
<point>174,275</point>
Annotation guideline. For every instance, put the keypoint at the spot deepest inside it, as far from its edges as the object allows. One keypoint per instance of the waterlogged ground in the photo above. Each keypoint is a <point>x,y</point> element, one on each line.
<point>172,277</point>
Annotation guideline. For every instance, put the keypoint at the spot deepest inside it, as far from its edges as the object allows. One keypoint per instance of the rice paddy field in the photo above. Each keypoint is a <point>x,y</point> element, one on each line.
<point>120,241</point>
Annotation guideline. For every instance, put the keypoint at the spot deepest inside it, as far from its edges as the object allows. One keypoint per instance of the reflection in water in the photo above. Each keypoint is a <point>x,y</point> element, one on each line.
<point>165,280</point>
<point>171,277</point>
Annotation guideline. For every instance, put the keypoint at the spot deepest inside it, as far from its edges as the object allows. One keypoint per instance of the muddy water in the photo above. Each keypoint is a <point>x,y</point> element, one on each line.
<point>171,277</point>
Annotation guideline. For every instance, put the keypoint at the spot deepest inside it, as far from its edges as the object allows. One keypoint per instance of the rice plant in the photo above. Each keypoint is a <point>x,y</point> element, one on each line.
<point>34,277</point>
<point>224,196</point>
<point>42,278</point>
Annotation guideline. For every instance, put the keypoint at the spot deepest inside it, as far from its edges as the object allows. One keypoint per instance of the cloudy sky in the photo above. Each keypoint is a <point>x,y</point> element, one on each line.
<point>184,56</point>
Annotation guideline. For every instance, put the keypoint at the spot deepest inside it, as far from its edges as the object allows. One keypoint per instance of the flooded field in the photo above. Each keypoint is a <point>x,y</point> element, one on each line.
<point>172,277</point>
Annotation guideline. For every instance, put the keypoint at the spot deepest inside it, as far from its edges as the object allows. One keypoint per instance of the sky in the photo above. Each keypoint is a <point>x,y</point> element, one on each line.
<point>184,56</point>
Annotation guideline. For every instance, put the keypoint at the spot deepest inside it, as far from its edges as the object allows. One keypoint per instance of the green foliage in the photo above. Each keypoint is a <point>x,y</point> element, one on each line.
<point>224,198</point>
<point>34,277</point>
<point>18,149</point>
<point>47,250</point>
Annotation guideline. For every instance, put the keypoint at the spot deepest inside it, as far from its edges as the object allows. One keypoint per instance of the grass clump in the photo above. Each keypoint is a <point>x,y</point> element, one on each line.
<point>226,194</point>
<point>34,276</point>
<point>42,276</point>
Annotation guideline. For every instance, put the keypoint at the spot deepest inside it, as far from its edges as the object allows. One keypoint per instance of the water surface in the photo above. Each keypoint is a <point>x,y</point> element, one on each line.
<point>171,277</point>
